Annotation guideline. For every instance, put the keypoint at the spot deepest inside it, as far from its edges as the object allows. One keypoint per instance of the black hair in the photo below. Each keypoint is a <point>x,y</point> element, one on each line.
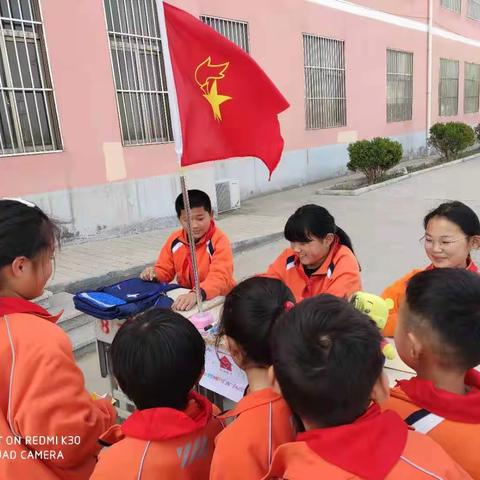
<point>327,357</point>
<point>459,214</point>
<point>157,358</point>
<point>197,199</point>
<point>249,312</point>
<point>25,231</point>
<point>447,301</point>
<point>313,221</point>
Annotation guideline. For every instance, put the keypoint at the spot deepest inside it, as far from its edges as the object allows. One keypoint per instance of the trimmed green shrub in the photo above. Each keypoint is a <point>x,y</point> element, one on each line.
<point>374,157</point>
<point>449,139</point>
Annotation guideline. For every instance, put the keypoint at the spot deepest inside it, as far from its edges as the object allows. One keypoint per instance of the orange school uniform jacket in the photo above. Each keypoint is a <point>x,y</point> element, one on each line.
<point>43,401</point>
<point>214,258</point>
<point>396,291</point>
<point>161,443</point>
<point>376,446</point>
<point>453,421</point>
<point>244,450</point>
<point>339,274</point>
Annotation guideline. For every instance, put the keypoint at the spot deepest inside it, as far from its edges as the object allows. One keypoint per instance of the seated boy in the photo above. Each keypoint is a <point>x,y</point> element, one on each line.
<point>157,358</point>
<point>214,254</point>
<point>438,335</point>
<point>329,366</point>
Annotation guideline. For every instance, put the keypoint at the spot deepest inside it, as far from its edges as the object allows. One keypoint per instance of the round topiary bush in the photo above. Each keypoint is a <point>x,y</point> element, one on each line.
<point>449,139</point>
<point>374,157</point>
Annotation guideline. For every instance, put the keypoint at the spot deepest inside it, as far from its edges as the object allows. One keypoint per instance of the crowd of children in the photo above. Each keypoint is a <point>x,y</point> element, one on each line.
<point>317,404</point>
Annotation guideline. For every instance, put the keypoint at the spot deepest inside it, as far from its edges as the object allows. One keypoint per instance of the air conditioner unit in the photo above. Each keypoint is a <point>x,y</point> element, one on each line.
<point>228,195</point>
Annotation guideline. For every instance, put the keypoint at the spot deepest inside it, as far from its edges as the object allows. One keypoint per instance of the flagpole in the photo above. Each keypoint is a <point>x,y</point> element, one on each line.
<point>177,136</point>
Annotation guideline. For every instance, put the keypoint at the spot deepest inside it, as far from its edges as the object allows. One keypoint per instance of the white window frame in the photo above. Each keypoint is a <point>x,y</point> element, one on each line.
<point>236,31</point>
<point>447,80</point>
<point>469,73</point>
<point>26,121</point>
<point>452,5</point>
<point>401,110</point>
<point>321,65</point>
<point>141,88</point>
<point>473,11</point>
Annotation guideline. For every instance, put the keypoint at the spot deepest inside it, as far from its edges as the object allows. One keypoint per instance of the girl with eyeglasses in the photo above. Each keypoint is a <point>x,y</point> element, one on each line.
<point>452,231</point>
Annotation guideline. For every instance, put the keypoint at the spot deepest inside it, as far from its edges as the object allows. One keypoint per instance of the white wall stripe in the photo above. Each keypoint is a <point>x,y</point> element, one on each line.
<point>367,12</point>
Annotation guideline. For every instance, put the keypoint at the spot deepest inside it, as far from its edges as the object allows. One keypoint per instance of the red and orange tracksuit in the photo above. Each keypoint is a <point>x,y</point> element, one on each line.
<point>214,259</point>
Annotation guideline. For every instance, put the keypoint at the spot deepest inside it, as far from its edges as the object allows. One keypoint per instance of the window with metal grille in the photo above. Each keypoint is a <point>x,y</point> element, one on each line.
<point>453,5</point>
<point>325,97</point>
<point>474,9</point>
<point>472,88</point>
<point>234,30</point>
<point>139,72</point>
<point>28,118</point>
<point>399,86</point>
<point>448,87</point>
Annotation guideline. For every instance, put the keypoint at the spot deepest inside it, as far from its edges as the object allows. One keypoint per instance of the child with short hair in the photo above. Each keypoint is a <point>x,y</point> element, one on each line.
<point>42,390</point>
<point>157,358</point>
<point>261,421</point>
<point>329,367</point>
<point>213,251</point>
<point>438,336</point>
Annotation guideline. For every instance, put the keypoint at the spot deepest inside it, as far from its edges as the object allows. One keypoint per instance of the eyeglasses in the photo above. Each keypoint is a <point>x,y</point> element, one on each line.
<point>443,243</point>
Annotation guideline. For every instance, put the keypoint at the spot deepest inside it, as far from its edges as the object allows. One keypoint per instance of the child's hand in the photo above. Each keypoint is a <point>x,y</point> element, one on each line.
<point>185,302</point>
<point>148,274</point>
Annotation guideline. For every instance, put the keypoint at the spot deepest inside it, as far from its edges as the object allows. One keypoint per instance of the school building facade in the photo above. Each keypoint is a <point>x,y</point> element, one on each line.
<point>84,122</point>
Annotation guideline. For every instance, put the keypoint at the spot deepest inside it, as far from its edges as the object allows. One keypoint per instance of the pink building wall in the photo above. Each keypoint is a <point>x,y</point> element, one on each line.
<point>69,182</point>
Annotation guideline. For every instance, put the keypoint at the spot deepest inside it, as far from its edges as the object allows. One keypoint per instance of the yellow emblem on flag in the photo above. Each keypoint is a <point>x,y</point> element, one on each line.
<point>207,76</point>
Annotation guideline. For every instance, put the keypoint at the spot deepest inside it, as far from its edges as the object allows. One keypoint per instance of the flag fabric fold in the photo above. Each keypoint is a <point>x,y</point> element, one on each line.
<point>228,106</point>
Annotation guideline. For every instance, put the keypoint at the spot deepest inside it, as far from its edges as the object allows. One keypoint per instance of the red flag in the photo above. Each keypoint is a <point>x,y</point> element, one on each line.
<point>228,106</point>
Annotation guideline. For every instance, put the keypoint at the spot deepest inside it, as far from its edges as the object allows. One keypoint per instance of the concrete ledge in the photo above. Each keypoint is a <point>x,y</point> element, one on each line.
<point>96,281</point>
<point>369,188</point>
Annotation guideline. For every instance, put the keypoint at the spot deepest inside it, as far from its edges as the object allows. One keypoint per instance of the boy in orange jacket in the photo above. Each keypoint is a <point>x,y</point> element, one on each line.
<point>438,335</point>
<point>329,366</point>
<point>213,250</point>
<point>157,358</point>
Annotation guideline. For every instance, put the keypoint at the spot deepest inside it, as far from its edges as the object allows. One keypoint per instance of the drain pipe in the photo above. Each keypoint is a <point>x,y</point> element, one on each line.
<point>429,72</point>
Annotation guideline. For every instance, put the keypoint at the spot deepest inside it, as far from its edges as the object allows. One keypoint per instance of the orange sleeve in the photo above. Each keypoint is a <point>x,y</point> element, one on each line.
<point>49,399</point>
<point>345,280</point>
<point>396,291</point>
<point>278,268</point>
<point>164,266</point>
<point>219,280</point>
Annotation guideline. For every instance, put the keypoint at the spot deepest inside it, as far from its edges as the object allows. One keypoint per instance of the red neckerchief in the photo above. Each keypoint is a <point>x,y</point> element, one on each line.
<point>369,447</point>
<point>166,423</point>
<point>10,305</point>
<point>471,267</point>
<point>187,264</point>
<point>451,406</point>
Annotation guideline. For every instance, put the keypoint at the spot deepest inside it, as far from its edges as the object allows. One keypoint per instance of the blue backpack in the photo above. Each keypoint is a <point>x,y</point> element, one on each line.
<point>124,299</point>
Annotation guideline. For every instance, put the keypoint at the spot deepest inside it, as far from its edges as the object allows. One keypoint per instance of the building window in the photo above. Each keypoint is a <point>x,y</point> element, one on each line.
<point>399,86</point>
<point>139,72</point>
<point>474,9</point>
<point>325,97</point>
<point>453,5</point>
<point>234,30</point>
<point>472,88</point>
<point>28,118</point>
<point>448,88</point>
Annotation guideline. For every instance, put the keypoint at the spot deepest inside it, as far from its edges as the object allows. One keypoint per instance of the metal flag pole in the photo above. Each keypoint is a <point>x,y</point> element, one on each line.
<point>177,136</point>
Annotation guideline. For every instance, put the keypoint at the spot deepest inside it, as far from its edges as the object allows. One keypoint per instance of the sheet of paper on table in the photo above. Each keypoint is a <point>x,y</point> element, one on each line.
<point>396,369</point>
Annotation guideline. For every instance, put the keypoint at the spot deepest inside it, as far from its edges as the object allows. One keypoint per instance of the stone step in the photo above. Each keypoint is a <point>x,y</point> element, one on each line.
<point>79,326</point>
<point>44,299</point>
